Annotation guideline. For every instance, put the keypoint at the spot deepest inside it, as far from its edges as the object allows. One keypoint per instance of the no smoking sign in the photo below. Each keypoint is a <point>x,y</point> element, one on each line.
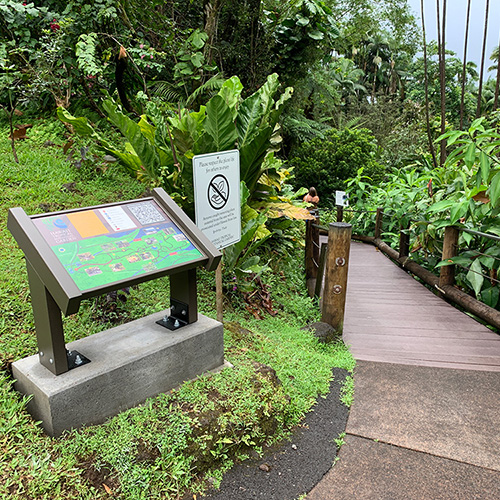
<point>217,196</point>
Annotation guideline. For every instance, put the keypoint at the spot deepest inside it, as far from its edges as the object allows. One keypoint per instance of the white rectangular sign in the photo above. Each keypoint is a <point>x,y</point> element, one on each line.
<point>217,205</point>
<point>341,199</point>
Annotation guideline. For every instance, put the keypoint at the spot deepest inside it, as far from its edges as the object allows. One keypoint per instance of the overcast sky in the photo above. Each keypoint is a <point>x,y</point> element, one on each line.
<point>456,12</point>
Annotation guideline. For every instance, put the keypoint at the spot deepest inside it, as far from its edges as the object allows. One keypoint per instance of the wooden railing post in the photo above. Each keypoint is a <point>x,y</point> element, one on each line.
<point>340,213</point>
<point>311,254</point>
<point>378,223</point>
<point>450,244</point>
<point>337,264</point>
<point>321,270</point>
<point>404,241</point>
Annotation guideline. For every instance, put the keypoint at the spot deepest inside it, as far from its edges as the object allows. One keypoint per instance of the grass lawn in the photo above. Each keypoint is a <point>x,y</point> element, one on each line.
<point>177,442</point>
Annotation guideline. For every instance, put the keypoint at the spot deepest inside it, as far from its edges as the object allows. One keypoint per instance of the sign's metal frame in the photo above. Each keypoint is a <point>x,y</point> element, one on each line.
<point>53,291</point>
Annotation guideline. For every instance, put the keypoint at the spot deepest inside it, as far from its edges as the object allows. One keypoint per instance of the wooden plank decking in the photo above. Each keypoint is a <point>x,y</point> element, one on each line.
<point>390,317</point>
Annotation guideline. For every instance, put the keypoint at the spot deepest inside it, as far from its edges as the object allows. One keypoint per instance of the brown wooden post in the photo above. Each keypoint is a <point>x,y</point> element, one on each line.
<point>311,254</point>
<point>321,270</point>
<point>337,264</point>
<point>378,223</point>
<point>450,244</point>
<point>219,297</point>
<point>309,250</point>
<point>404,241</point>
<point>340,213</point>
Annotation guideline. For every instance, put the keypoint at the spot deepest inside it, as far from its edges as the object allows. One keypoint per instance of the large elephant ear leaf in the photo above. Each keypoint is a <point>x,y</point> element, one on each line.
<point>231,93</point>
<point>251,157</point>
<point>266,93</point>
<point>219,124</point>
<point>248,119</point>
<point>132,131</point>
<point>80,125</point>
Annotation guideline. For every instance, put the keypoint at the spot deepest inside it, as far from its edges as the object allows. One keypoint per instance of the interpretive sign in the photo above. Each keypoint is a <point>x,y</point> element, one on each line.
<point>217,196</point>
<point>102,246</point>
<point>341,199</point>
<point>77,254</point>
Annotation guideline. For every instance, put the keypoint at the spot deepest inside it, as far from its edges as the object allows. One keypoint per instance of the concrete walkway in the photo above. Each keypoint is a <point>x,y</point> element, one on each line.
<point>425,425</point>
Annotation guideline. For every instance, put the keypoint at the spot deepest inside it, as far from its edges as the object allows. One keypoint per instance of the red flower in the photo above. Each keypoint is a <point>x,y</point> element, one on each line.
<point>54,26</point>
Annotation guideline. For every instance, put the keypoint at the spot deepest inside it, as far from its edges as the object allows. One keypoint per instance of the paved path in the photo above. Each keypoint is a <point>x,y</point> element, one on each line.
<point>425,423</point>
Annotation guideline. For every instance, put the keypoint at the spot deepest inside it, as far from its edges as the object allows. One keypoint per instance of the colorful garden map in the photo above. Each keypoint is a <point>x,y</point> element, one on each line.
<point>99,247</point>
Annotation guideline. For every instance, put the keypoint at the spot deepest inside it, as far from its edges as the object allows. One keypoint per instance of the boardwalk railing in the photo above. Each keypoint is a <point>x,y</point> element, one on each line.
<point>445,283</point>
<point>329,261</point>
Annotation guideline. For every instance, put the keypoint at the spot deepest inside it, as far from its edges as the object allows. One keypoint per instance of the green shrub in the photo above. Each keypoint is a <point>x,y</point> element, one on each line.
<point>327,163</point>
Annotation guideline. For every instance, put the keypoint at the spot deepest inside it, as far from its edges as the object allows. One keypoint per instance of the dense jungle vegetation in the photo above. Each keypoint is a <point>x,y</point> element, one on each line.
<point>104,100</point>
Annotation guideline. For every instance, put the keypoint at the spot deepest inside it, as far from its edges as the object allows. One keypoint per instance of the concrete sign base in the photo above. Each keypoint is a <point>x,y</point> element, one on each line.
<point>129,364</point>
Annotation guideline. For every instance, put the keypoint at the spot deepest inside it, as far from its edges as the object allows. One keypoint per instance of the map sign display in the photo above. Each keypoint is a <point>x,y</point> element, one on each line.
<point>101,246</point>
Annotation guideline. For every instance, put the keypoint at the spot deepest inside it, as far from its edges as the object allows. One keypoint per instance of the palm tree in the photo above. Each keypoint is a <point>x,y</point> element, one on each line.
<point>462,99</point>
<point>347,77</point>
<point>483,54</point>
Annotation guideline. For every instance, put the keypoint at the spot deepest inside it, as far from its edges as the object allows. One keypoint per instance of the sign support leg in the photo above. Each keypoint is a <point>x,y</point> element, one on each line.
<point>183,289</point>
<point>48,324</point>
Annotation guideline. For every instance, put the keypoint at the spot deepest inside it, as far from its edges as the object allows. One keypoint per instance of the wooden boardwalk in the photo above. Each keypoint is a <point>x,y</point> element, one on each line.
<point>390,317</point>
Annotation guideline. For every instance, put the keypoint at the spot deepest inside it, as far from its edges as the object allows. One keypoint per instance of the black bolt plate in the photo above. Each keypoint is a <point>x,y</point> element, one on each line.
<point>75,359</point>
<point>171,323</point>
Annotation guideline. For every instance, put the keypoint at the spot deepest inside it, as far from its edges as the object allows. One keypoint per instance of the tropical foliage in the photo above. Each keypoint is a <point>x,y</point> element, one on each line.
<point>329,162</point>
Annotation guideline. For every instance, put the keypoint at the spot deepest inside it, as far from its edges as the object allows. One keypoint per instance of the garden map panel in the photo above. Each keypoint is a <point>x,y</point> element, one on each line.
<point>98,247</point>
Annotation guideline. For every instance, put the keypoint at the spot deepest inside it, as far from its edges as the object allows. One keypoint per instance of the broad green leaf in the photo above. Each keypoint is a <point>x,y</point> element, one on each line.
<point>441,205</point>
<point>233,252</point>
<point>458,210</point>
<point>219,124</point>
<point>476,125</point>
<point>147,129</point>
<point>475,277</point>
<point>316,35</point>
<point>231,93</point>
<point>131,130</point>
<point>267,92</point>
<point>494,191</point>
<point>470,155</point>
<point>251,157</point>
<point>494,230</point>
<point>80,125</point>
<point>188,129</point>
<point>197,59</point>
<point>487,261</point>
<point>244,193</point>
<point>490,296</point>
<point>250,262</point>
<point>453,136</point>
<point>484,166</point>
<point>198,39</point>
<point>249,119</point>
<point>301,20</point>
<point>467,238</point>
<point>463,261</point>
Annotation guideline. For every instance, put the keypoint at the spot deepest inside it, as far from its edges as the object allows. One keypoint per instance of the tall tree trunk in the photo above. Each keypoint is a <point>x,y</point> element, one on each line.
<point>426,87</point>
<point>464,69</point>
<point>212,10</point>
<point>497,86</point>
<point>483,57</point>
<point>442,74</point>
